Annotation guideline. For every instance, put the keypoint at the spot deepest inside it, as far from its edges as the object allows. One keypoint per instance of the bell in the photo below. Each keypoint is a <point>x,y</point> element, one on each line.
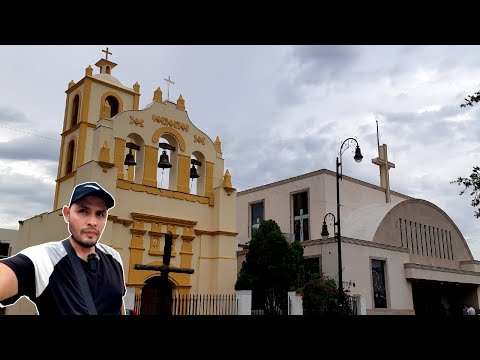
<point>130,159</point>
<point>193,172</point>
<point>164,163</point>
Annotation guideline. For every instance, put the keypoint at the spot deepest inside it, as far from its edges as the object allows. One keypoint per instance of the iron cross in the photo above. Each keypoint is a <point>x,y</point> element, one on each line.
<point>168,86</point>
<point>107,53</point>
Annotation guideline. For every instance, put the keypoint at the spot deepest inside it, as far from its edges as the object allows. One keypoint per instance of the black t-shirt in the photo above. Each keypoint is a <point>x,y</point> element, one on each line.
<point>47,277</point>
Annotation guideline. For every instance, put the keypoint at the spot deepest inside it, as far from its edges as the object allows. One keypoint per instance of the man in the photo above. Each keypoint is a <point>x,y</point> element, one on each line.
<point>50,274</point>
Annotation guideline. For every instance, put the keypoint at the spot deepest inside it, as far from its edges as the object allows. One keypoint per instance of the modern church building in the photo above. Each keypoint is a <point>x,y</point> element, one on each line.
<point>401,255</point>
<point>165,174</point>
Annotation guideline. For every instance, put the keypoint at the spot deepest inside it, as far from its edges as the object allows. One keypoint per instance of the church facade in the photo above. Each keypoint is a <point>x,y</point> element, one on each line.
<point>399,254</point>
<point>166,176</point>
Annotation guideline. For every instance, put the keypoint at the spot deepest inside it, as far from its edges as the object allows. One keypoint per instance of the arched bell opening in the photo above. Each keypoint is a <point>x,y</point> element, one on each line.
<point>134,158</point>
<point>197,173</point>
<point>167,162</point>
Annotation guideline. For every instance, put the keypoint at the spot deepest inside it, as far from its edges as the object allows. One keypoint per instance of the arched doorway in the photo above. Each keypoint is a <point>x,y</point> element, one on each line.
<point>156,297</point>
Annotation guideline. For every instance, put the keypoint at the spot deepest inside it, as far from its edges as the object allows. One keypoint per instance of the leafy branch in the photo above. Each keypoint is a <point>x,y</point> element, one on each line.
<point>473,182</point>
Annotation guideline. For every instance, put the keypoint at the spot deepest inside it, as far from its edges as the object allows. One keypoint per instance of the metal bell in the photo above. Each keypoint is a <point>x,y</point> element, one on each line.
<point>130,159</point>
<point>193,172</point>
<point>164,163</point>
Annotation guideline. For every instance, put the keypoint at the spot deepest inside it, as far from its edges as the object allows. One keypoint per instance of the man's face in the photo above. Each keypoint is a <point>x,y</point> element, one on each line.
<point>86,220</point>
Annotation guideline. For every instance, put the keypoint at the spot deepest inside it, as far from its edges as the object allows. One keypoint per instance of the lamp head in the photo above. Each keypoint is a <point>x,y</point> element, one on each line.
<point>358,155</point>
<point>324,231</point>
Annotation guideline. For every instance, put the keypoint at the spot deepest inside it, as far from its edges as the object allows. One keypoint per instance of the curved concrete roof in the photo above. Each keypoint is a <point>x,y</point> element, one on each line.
<point>363,223</point>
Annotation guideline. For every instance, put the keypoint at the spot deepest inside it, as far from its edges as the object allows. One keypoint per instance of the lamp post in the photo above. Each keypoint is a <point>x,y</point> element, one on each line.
<point>358,158</point>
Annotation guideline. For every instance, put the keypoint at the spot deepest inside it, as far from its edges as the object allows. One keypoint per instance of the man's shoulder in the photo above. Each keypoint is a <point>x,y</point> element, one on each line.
<point>109,250</point>
<point>53,248</point>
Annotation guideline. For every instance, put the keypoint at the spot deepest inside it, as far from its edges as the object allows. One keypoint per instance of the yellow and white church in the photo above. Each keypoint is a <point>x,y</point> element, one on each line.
<point>165,174</point>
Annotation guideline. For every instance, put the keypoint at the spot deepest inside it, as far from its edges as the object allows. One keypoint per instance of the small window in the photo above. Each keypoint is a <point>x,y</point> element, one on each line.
<point>70,153</point>
<point>113,102</point>
<point>301,216</point>
<point>379,284</point>
<point>4,249</point>
<point>75,108</point>
<point>256,216</point>
<point>313,265</point>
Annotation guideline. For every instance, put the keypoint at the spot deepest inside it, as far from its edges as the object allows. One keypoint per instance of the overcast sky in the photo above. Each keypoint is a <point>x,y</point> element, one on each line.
<point>280,111</point>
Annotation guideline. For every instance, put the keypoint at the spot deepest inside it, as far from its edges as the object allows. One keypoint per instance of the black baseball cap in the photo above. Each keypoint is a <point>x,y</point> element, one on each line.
<point>92,188</point>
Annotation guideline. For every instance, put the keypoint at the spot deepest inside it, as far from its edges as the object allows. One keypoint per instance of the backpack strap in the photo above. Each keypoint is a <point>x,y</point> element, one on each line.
<point>82,278</point>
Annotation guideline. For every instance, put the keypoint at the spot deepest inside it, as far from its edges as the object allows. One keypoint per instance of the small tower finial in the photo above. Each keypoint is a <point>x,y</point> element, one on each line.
<point>136,87</point>
<point>181,103</point>
<point>157,95</point>
<point>218,145</point>
<point>227,179</point>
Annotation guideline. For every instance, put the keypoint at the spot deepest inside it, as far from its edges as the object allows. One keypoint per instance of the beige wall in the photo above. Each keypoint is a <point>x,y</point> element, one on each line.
<point>8,235</point>
<point>321,186</point>
<point>421,212</point>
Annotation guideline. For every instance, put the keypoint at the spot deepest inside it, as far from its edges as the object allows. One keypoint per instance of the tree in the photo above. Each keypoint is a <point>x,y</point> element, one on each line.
<point>471,99</point>
<point>472,181</point>
<point>320,296</point>
<point>272,267</point>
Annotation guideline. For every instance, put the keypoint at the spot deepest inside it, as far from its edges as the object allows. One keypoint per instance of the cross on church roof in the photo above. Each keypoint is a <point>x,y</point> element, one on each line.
<point>168,86</point>
<point>384,165</point>
<point>106,53</point>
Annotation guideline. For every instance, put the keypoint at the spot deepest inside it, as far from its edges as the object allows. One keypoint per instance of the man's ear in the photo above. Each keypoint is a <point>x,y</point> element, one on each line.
<point>66,213</point>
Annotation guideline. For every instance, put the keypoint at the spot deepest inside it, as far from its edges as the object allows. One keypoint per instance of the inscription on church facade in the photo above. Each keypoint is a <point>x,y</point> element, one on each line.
<point>169,122</point>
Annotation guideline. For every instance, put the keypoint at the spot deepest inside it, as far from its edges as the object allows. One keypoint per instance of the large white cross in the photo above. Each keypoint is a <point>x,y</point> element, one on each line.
<point>301,217</point>
<point>384,165</point>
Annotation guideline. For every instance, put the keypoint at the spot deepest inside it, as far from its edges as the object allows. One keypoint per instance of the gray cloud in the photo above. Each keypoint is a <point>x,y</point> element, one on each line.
<point>31,147</point>
<point>12,118</point>
<point>24,197</point>
<point>324,63</point>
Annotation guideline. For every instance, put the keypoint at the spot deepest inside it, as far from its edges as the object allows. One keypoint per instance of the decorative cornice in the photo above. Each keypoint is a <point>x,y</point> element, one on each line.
<point>475,262</point>
<point>156,233</point>
<point>111,85</point>
<point>105,165</point>
<point>138,231</point>
<point>438,268</point>
<point>68,176</point>
<point>77,126</point>
<point>356,242</point>
<point>187,238</point>
<point>153,190</point>
<point>162,219</point>
<point>214,233</point>
<point>118,220</point>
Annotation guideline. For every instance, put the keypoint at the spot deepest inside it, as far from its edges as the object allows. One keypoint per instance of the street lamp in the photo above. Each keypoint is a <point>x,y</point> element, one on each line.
<point>358,157</point>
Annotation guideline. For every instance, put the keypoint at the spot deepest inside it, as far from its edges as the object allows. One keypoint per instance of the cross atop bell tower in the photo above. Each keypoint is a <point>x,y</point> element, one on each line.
<point>106,53</point>
<point>106,65</point>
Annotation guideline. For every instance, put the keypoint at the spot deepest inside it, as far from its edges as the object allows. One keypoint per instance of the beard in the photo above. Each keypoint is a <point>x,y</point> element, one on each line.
<point>85,241</point>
